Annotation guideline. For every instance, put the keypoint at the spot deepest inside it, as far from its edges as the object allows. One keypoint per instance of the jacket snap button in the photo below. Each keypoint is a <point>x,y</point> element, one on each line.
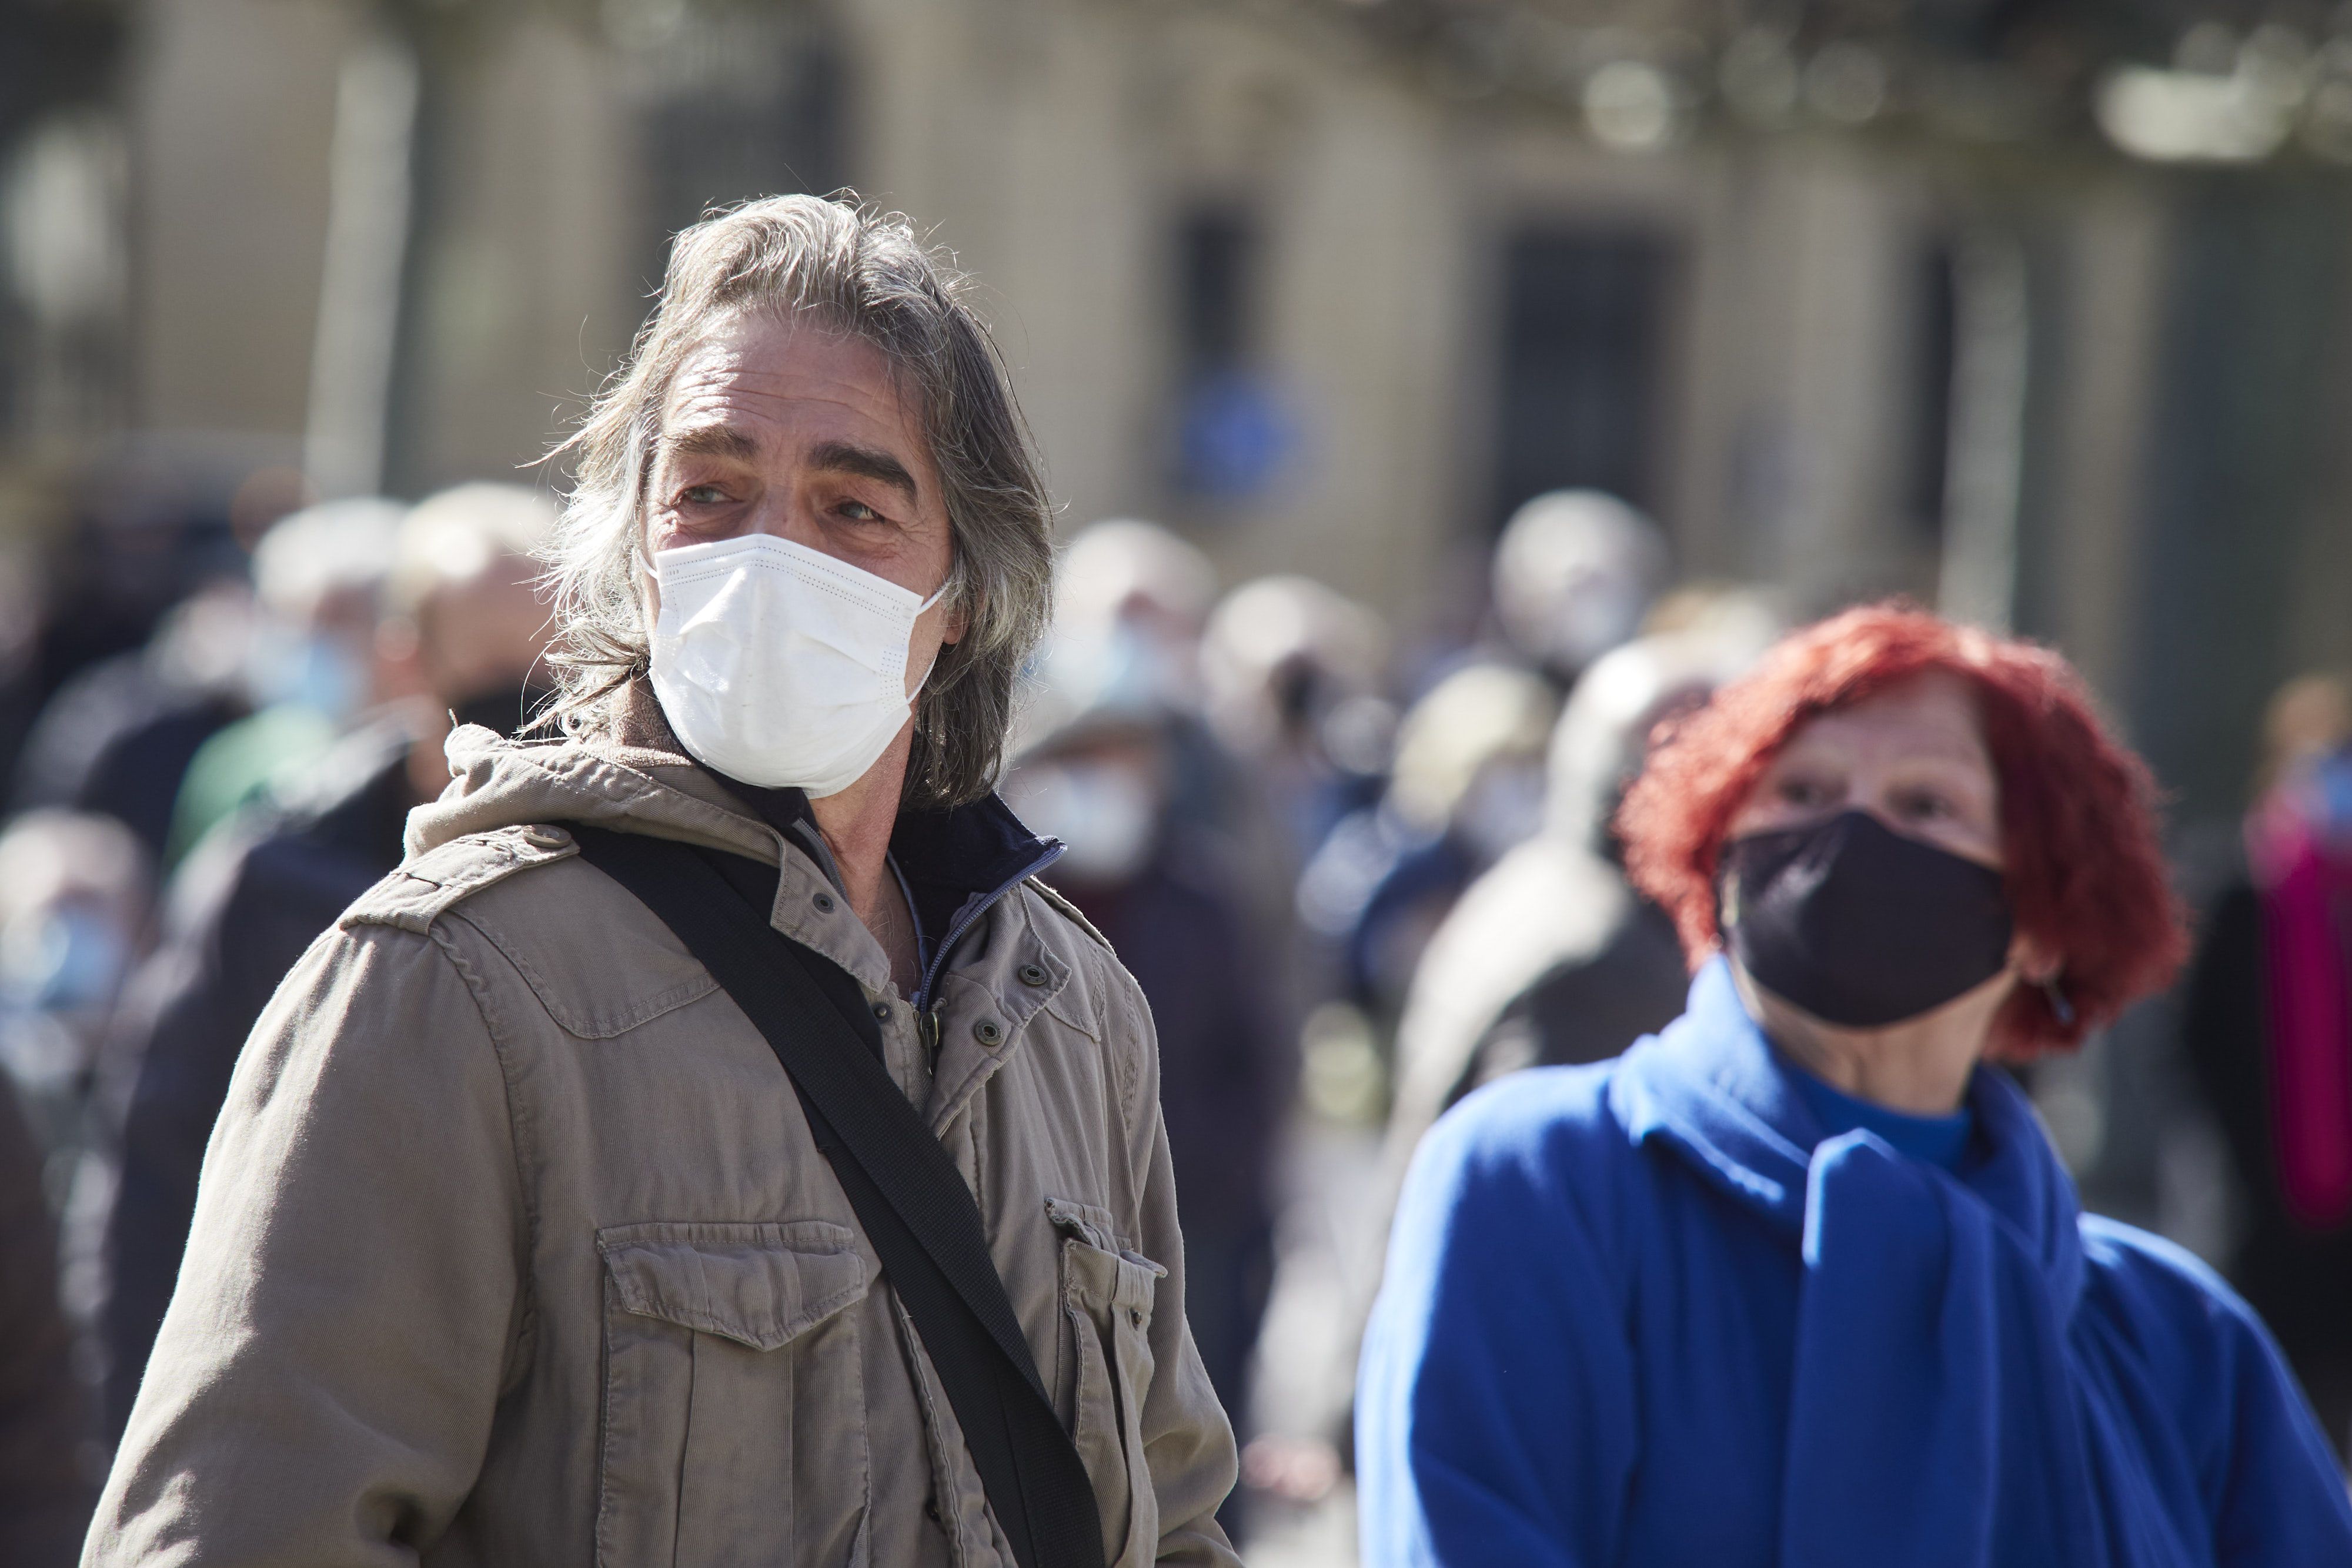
<point>1031,975</point>
<point>546,838</point>
<point>882,1011</point>
<point>988,1031</point>
<point>823,901</point>
<point>1135,1316</point>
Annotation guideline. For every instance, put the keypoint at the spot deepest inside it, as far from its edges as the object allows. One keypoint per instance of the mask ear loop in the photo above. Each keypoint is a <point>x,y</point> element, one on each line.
<point>934,665</point>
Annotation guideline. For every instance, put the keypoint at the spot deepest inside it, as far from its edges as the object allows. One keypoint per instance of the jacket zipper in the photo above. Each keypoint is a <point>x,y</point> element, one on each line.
<point>925,1006</point>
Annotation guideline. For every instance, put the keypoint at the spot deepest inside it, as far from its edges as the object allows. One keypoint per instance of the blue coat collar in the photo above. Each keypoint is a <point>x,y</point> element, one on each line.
<point>1711,1088</point>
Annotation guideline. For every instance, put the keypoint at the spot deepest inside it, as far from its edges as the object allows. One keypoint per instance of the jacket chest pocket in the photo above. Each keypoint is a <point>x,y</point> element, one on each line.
<point>734,1413</point>
<point>1107,1291</point>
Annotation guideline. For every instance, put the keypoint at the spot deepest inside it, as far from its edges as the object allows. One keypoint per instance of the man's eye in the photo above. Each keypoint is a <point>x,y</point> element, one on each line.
<point>859,512</point>
<point>702,495</point>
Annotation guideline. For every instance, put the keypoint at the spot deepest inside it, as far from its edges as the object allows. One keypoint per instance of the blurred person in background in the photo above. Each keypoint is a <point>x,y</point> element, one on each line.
<point>1802,1279</point>
<point>1164,891</point>
<point>318,581</point>
<point>1137,590</point>
<point>462,633</point>
<point>45,1411</point>
<point>74,917</point>
<point>1293,674</point>
<point>1131,602</point>
<point>76,907</point>
<point>1550,958</point>
<point>2267,1025</point>
<point>1573,574</point>
<point>1467,785</point>
<point>118,736</point>
<point>133,622</point>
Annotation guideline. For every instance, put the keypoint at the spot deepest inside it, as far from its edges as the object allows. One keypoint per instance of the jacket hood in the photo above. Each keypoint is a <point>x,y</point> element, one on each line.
<point>616,782</point>
<point>1712,1087</point>
<point>635,777</point>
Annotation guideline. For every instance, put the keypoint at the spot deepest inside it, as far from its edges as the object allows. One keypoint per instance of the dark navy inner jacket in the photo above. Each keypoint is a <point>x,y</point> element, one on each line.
<point>1644,1313</point>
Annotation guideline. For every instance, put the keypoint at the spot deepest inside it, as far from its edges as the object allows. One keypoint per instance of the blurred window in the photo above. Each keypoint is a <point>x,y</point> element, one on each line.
<point>1216,256</point>
<point>1233,436</point>
<point>734,103</point>
<point>1934,326</point>
<point>1584,330</point>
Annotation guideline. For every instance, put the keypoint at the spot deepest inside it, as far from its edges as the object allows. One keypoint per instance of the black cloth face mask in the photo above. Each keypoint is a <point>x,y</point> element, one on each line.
<point>1858,925</point>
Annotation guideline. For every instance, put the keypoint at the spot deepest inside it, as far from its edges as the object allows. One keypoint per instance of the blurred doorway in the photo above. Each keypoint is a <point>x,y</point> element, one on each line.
<point>733,104</point>
<point>1583,332</point>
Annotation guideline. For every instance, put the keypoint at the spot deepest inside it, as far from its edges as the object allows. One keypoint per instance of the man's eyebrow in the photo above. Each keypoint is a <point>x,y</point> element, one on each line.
<point>841,457</point>
<point>710,441</point>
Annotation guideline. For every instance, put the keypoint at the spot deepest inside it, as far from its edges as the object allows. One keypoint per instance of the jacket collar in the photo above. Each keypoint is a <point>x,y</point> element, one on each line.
<point>1711,1088</point>
<point>946,857</point>
<point>632,774</point>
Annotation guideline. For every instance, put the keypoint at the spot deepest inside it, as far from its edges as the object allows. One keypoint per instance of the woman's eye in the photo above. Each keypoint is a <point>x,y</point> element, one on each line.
<point>859,512</point>
<point>1804,792</point>
<point>702,495</point>
<point>1924,808</point>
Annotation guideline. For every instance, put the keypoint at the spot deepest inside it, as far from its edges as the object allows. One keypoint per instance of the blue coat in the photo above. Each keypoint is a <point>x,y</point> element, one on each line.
<point>1628,1320</point>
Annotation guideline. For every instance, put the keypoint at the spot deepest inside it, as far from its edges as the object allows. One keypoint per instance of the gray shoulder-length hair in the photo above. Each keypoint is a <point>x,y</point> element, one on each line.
<point>850,269</point>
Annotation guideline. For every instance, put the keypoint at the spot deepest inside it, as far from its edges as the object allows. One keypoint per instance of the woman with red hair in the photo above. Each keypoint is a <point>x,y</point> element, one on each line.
<point>1798,1280</point>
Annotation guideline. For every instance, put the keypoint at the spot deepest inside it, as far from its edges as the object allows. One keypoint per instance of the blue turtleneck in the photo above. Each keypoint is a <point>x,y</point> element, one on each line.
<point>1937,1140</point>
<point>1664,1310</point>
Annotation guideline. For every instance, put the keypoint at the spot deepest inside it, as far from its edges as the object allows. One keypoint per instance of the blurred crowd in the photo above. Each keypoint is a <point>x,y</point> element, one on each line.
<point>1356,874</point>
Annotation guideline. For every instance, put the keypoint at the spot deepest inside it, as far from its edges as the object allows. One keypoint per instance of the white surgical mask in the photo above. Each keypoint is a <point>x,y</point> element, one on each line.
<point>777,664</point>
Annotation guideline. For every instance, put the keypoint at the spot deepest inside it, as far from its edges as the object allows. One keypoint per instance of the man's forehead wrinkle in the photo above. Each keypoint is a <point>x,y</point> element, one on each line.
<point>745,391</point>
<point>792,385</point>
<point>711,440</point>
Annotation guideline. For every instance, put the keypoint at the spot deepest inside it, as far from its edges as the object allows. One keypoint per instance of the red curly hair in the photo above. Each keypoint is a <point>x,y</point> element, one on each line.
<point>2084,872</point>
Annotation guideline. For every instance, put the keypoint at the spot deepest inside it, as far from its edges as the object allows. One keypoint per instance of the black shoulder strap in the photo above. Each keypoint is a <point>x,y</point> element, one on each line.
<point>910,1198</point>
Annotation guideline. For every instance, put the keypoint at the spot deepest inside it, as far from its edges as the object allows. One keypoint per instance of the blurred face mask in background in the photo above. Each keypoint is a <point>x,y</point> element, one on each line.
<point>1107,812</point>
<point>312,669</point>
<point>777,664</point>
<point>62,959</point>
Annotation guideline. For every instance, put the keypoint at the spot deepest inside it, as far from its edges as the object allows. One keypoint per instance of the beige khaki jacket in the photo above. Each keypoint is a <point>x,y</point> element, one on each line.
<point>513,1245</point>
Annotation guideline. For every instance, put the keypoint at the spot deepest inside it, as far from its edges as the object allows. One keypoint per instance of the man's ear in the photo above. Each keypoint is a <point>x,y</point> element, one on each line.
<point>954,624</point>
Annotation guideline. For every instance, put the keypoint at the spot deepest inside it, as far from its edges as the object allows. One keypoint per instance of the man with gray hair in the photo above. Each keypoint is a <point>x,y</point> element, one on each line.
<point>514,1243</point>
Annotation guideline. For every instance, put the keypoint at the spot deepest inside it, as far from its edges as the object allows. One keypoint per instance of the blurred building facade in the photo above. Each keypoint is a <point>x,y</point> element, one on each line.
<point>1325,312</point>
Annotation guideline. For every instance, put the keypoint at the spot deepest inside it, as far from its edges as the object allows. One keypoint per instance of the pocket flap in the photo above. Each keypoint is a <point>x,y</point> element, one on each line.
<point>1100,1273</point>
<point>759,1285</point>
<point>1085,1222</point>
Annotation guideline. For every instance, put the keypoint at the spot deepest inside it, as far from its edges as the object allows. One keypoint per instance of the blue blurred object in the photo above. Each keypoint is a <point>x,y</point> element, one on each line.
<point>68,959</point>
<point>1234,437</point>
<point>2332,792</point>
